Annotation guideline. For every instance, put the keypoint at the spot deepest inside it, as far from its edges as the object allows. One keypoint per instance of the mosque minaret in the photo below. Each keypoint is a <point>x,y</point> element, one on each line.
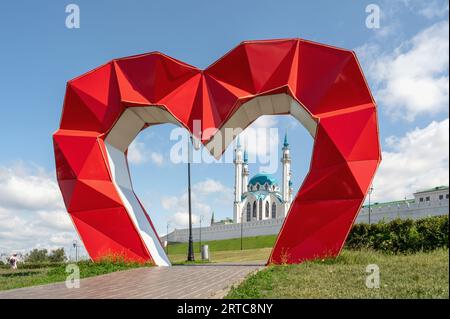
<point>238,177</point>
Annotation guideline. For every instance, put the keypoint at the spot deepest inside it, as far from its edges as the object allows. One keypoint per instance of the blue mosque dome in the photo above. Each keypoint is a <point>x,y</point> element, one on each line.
<point>261,179</point>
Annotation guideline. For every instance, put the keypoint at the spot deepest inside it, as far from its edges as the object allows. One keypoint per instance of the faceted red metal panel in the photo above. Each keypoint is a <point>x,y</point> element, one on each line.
<point>326,81</point>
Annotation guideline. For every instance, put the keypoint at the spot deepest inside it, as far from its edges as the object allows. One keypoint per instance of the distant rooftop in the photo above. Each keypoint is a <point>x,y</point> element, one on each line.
<point>410,201</point>
<point>437,188</point>
<point>395,202</point>
<point>225,221</point>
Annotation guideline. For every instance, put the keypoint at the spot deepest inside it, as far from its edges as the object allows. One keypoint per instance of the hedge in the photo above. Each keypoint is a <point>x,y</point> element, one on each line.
<point>401,235</point>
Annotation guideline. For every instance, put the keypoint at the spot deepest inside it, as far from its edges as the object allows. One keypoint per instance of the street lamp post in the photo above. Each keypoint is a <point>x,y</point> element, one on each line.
<point>242,226</point>
<point>75,245</point>
<point>370,209</point>
<point>200,234</point>
<point>190,256</point>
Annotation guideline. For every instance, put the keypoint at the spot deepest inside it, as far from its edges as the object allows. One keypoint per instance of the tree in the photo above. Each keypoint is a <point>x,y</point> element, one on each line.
<point>57,256</point>
<point>36,256</point>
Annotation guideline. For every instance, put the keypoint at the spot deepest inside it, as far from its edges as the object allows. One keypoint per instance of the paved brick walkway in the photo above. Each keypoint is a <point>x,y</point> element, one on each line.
<point>193,281</point>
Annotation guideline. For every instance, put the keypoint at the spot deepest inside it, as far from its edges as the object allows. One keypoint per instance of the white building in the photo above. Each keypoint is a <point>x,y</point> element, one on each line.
<point>261,198</point>
<point>428,202</point>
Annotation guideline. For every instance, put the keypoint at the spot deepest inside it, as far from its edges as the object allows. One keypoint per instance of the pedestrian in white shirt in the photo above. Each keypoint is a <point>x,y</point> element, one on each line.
<point>13,261</point>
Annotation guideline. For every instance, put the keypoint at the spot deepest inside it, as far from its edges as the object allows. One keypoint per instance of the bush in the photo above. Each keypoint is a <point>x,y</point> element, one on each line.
<point>37,256</point>
<point>401,236</point>
<point>57,256</point>
<point>38,265</point>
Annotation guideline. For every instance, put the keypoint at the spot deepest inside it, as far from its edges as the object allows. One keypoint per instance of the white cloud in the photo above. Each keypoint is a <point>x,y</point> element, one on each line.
<point>389,25</point>
<point>413,79</point>
<point>177,206</point>
<point>261,140</point>
<point>22,189</point>
<point>419,159</point>
<point>265,121</point>
<point>157,158</point>
<point>181,220</point>
<point>209,186</point>
<point>429,9</point>
<point>32,213</point>
<point>58,219</point>
<point>138,154</point>
<point>61,239</point>
<point>257,138</point>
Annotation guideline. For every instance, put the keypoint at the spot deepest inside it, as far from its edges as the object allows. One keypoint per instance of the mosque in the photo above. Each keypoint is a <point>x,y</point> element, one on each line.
<point>261,197</point>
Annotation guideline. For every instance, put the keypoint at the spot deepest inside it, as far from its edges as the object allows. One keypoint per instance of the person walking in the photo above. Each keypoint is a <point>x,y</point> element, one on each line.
<point>13,261</point>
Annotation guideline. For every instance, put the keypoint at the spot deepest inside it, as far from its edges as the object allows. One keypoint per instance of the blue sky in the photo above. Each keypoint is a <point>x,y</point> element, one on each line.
<point>405,62</point>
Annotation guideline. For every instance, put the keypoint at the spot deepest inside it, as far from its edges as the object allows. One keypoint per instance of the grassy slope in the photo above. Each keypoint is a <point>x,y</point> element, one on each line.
<point>420,275</point>
<point>402,276</point>
<point>255,249</point>
<point>228,244</point>
<point>24,277</point>
<point>260,255</point>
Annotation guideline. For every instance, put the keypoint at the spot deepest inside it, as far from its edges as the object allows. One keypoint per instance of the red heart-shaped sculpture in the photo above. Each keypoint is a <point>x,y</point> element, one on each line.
<point>322,86</point>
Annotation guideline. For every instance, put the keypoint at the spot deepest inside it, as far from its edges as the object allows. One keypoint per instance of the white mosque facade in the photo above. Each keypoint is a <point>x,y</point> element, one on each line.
<point>261,197</point>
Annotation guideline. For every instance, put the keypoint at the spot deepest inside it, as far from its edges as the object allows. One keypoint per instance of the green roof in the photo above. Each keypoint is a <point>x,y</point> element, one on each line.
<point>437,188</point>
<point>410,201</point>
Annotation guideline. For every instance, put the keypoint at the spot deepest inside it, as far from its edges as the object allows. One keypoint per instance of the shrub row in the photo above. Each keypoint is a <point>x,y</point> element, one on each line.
<point>401,235</point>
<point>38,265</point>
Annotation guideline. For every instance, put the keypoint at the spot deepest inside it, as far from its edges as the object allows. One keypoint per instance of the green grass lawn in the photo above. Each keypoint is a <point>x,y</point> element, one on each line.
<point>260,255</point>
<point>255,249</point>
<point>227,244</point>
<point>47,273</point>
<point>419,275</point>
